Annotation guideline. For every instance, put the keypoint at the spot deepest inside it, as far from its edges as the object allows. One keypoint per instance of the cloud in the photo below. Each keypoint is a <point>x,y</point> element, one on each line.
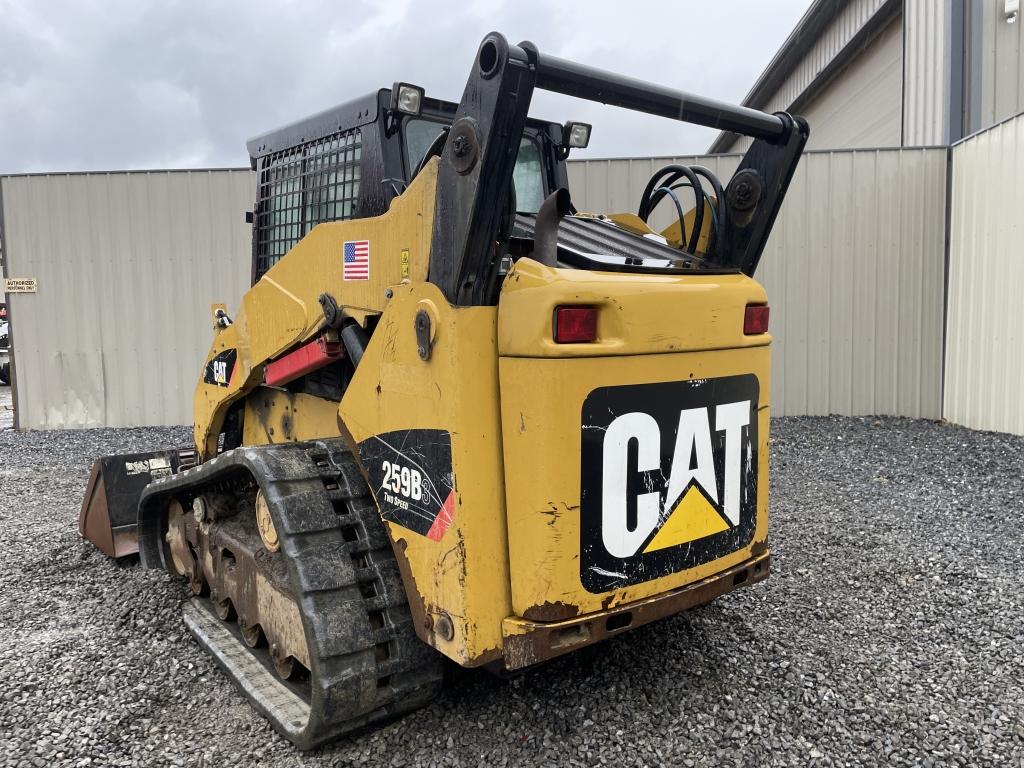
<point>87,85</point>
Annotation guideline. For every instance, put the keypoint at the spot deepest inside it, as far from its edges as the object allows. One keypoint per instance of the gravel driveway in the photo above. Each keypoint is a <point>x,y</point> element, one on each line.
<point>890,632</point>
<point>6,407</point>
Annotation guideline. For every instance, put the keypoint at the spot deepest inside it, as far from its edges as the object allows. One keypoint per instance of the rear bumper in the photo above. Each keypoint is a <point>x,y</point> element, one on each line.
<point>531,642</point>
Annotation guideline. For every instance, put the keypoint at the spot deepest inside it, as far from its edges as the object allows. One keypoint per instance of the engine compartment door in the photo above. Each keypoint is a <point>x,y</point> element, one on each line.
<point>637,463</point>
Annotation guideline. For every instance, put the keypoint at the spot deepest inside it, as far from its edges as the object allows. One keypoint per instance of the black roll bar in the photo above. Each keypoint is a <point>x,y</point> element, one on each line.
<point>479,157</point>
<point>582,81</point>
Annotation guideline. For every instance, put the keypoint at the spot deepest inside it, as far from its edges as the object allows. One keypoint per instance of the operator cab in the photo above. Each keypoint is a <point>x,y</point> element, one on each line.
<point>351,161</point>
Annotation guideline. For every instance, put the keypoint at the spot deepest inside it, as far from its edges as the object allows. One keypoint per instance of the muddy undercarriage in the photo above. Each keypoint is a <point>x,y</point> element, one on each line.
<point>295,588</point>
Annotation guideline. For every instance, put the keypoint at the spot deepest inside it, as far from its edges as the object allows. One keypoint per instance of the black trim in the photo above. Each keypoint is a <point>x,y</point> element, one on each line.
<point>744,235</point>
<point>344,117</point>
<point>476,170</point>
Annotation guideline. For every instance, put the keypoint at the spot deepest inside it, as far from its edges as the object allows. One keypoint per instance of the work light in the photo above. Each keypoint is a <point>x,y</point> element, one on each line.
<point>407,99</point>
<point>576,135</point>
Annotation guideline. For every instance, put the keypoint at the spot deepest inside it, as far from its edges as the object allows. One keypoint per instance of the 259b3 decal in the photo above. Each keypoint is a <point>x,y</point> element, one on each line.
<point>668,478</point>
<point>410,473</point>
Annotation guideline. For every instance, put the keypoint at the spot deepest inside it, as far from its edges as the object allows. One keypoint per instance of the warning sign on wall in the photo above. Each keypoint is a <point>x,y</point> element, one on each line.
<point>20,285</point>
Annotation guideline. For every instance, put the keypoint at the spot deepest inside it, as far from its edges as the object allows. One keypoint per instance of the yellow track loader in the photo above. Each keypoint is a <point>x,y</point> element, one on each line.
<point>456,417</point>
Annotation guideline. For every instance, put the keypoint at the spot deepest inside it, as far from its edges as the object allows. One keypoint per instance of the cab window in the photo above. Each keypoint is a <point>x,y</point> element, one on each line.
<point>528,175</point>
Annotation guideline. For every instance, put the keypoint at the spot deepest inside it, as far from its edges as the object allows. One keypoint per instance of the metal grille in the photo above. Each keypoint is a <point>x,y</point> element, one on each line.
<point>302,187</point>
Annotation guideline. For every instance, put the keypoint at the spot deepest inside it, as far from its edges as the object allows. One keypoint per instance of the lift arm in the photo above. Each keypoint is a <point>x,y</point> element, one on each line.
<point>479,159</point>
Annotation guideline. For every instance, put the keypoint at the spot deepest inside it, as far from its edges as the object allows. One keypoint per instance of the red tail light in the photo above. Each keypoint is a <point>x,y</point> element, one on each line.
<point>755,319</point>
<point>575,325</point>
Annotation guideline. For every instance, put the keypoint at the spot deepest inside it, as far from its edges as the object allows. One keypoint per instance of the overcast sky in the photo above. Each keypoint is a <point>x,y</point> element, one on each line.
<point>116,84</point>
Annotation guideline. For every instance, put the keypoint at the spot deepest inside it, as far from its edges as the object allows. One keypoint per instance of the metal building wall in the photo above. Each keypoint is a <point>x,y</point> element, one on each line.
<point>984,334</point>
<point>128,265</point>
<point>849,22</point>
<point>927,62</point>
<point>862,106</point>
<point>997,54</point>
<point>854,273</point>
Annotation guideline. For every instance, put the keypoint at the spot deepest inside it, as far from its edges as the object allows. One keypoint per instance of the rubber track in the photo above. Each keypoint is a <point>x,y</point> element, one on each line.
<point>367,665</point>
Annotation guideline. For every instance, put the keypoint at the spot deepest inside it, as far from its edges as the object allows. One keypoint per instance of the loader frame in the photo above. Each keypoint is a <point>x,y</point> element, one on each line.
<point>476,169</point>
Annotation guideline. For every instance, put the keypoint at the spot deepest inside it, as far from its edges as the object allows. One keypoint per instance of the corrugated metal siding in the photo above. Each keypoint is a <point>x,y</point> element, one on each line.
<point>863,105</point>
<point>927,62</point>
<point>844,27</point>
<point>830,43</point>
<point>984,336</point>
<point>854,273</point>
<point>128,265</point>
<point>1001,62</point>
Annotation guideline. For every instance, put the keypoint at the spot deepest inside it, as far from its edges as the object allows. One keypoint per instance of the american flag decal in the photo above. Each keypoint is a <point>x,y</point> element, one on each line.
<point>356,260</point>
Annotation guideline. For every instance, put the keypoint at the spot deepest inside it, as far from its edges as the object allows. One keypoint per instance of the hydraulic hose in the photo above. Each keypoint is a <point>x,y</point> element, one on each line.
<point>717,207</point>
<point>656,189</point>
<point>670,191</point>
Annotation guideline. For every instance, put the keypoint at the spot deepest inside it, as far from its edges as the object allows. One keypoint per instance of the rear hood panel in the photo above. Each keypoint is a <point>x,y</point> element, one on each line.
<point>642,469</point>
<point>638,314</point>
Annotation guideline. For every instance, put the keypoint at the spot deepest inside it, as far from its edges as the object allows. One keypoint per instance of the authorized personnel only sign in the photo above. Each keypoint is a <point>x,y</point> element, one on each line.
<point>20,285</point>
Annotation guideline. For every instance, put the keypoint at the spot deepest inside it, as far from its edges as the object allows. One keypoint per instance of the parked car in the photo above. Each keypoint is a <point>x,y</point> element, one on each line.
<point>5,354</point>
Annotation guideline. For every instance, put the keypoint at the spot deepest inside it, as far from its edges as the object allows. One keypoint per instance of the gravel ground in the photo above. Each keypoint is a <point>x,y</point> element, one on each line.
<point>6,408</point>
<point>889,633</point>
